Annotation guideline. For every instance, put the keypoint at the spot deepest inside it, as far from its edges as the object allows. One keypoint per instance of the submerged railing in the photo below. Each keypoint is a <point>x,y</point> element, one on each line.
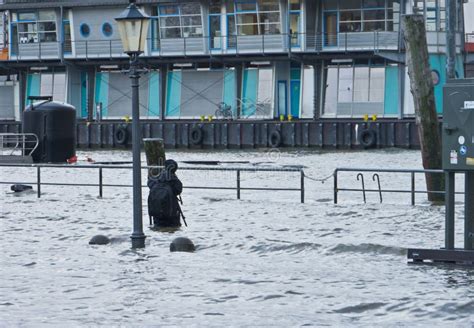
<point>376,178</point>
<point>100,183</point>
<point>18,144</point>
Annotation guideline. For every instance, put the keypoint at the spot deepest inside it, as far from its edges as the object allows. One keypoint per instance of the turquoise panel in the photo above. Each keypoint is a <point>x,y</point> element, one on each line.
<point>173,94</point>
<point>438,63</point>
<point>83,94</point>
<point>295,74</point>
<point>459,67</point>
<point>295,98</point>
<point>33,84</point>
<point>230,89</point>
<point>249,92</point>
<point>392,88</point>
<point>154,94</point>
<point>102,92</point>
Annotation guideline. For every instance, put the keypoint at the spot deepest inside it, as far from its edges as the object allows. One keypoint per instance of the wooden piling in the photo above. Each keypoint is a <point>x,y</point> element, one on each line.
<point>155,154</point>
<point>422,88</point>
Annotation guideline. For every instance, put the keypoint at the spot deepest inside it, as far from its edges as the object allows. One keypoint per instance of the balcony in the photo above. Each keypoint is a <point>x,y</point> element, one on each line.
<point>267,44</point>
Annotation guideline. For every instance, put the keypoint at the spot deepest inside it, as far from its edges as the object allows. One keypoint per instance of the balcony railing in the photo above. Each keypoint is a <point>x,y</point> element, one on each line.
<point>211,46</point>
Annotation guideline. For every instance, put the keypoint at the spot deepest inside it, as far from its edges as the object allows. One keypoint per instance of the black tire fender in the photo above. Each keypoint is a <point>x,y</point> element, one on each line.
<point>121,135</point>
<point>196,135</point>
<point>275,139</point>
<point>368,138</point>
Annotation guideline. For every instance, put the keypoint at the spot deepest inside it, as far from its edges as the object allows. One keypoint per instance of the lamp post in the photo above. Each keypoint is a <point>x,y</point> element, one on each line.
<point>133,28</point>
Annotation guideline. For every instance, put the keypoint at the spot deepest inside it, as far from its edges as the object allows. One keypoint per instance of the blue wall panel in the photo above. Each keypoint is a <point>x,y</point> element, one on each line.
<point>173,94</point>
<point>102,91</point>
<point>33,86</point>
<point>392,90</point>
<point>230,89</point>
<point>249,92</point>
<point>154,94</point>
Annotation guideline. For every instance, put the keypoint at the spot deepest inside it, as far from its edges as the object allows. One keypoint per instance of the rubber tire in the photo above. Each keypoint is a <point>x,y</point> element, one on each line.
<point>196,135</point>
<point>275,139</point>
<point>368,138</point>
<point>121,135</point>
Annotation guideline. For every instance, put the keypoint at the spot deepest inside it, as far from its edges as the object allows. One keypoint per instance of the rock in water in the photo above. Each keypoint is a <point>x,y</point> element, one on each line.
<point>20,187</point>
<point>99,240</point>
<point>182,244</point>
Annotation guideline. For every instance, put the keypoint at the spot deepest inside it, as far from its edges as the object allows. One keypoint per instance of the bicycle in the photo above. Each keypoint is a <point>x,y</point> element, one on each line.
<point>224,111</point>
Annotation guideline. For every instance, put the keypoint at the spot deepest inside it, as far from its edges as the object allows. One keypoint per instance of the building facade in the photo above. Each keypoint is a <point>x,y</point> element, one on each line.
<point>265,60</point>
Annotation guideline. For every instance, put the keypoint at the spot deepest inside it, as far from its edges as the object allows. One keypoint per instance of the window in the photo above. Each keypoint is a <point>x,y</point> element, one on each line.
<point>366,15</point>
<point>180,21</point>
<point>254,17</point>
<point>434,12</point>
<point>85,30</point>
<point>107,29</point>
<point>34,27</point>
<point>354,90</point>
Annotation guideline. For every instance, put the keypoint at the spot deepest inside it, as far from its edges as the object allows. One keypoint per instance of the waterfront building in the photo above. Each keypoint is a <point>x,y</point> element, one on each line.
<point>313,61</point>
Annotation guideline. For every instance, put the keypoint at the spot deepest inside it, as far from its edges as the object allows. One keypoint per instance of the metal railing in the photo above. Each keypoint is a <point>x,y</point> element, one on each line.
<point>217,45</point>
<point>18,144</point>
<point>376,178</point>
<point>100,183</point>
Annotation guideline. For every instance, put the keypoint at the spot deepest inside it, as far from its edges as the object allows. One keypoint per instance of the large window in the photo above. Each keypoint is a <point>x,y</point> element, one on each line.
<point>354,90</point>
<point>366,15</point>
<point>252,17</point>
<point>34,27</point>
<point>180,20</point>
<point>215,28</point>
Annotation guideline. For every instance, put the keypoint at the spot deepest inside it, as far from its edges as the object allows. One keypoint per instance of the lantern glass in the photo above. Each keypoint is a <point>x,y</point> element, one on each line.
<point>133,28</point>
<point>133,34</point>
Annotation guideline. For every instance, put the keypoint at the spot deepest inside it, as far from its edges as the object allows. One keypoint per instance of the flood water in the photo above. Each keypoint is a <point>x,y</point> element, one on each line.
<point>264,260</point>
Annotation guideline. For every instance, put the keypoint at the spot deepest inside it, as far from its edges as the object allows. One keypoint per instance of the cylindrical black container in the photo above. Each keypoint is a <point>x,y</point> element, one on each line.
<point>55,125</point>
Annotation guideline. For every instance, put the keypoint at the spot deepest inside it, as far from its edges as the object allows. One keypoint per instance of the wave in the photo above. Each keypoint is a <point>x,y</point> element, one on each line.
<point>289,248</point>
<point>367,248</point>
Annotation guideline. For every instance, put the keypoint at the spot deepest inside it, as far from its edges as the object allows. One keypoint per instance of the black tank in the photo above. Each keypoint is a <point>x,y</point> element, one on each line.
<point>55,125</point>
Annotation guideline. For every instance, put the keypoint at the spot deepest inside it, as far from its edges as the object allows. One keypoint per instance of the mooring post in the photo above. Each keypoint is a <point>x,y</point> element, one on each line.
<point>412,188</point>
<point>450,199</point>
<point>335,186</point>
<point>155,154</point>
<point>38,178</point>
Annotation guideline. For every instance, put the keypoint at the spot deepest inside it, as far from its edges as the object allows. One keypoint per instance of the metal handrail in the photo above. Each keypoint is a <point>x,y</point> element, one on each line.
<point>203,45</point>
<point>23,143</point>
<point>413,191</point>
<point>238,170</point>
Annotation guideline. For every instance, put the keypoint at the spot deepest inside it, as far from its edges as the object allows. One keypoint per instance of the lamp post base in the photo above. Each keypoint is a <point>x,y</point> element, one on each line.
<point>138,240</point>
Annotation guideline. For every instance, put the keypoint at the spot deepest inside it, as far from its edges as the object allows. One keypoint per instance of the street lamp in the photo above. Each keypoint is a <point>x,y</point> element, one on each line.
<point>133,28</point>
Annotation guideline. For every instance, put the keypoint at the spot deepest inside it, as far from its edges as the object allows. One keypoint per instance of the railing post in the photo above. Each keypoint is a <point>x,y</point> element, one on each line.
<point>38,180</point>
<point>110,49</point>
<point>39,48</point>
<point>302,186</point>
<point>335,187</point>
<point>100,183</point>
<point>238,184</point>
<point>184,40</point>
<point>87,50</point>
<point>413,188</point>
